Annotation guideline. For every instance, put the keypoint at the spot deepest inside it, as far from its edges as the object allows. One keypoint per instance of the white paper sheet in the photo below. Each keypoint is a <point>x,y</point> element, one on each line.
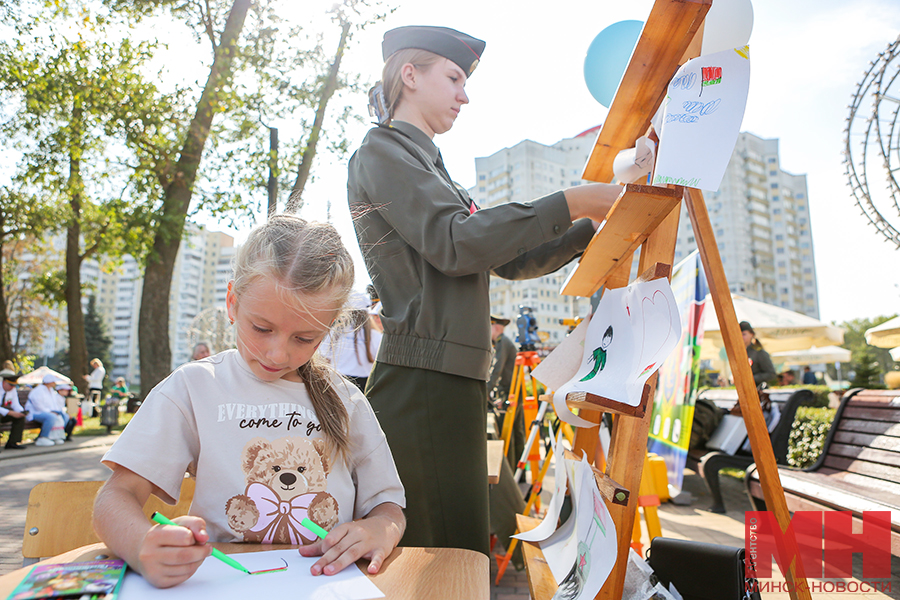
<point>560,366</point>
<point>215,579</point>
<point>597,542</point>
<point>548,525</point>
<point>632,331</point>
<point>704,108</point>
<point>561,548</point>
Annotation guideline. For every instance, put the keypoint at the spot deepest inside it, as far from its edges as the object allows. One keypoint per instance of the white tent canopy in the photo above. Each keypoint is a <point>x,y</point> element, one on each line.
<point>36,377</point>
<point>886,335</point>
<point>812,356</point>
<point>778,329</point>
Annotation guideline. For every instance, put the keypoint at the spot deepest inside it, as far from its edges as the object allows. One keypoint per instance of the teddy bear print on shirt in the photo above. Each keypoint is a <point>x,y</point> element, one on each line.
<point>286,482</point>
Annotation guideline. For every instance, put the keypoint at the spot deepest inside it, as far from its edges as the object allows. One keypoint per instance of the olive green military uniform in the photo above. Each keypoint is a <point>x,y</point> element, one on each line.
<point>430,258</point>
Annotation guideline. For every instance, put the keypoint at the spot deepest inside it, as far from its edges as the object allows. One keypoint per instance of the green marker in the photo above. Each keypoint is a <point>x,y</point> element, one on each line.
<point>313,527</point>
<point>162,520</point>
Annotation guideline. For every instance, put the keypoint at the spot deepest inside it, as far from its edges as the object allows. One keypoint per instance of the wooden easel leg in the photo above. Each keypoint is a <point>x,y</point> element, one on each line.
<point>743,378</point>
<point>628,447</point>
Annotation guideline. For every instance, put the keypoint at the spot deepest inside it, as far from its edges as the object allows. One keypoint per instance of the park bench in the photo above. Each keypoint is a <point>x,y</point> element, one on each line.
<point>707,463</point>
<point>23,398</point>
<point>859,468</point>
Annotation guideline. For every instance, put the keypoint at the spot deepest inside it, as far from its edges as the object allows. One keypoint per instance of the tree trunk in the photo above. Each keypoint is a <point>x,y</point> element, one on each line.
<point>295,201</point>
<point>153,325</point>
<point>6,351</point>
<point>77,348</point>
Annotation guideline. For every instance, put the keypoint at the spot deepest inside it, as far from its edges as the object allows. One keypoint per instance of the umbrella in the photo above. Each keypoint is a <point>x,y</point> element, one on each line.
<point>36,377</point>
<point>777,329</point>
<point>886,335</point>
<point>812,356</point>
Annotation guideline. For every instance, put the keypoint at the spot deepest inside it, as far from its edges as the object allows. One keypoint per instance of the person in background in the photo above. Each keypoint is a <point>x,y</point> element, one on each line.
<point>95,383</point>
<point>809,378</point>
<point>120,390</point>
<point>64,390</point>
<point>11,411</point>
<point>352,352</point>
<point>201,351</point>
<point>43,406</point>
<point>786,377</point>
<point>760,361</point>
<point>500,382</point>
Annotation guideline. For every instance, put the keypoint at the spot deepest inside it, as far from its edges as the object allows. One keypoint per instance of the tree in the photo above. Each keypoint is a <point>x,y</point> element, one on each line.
<point>20,216</point>
<point>96,339</point>
<point>269,77</point>
<point>868,371</point>
<point>26,263</point>
<point>871,356</point>
<point>74,100</point>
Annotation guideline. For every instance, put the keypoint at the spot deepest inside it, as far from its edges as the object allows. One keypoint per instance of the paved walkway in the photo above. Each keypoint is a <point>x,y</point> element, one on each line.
<point>80,460</point>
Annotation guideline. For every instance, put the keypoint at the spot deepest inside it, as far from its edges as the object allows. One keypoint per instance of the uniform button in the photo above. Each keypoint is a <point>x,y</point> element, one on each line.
<point>521,251</point>
<point>556,229</point>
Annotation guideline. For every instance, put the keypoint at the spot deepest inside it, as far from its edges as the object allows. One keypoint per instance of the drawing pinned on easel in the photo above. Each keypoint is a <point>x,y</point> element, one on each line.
<point>548,525</point>
<point>632,331</point>
<point>595,536</point>
<point>703,111</point>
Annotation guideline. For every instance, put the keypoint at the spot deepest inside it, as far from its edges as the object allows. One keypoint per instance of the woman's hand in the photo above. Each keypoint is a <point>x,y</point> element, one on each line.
<point>169,555</point>
<point>373,537</point>
<point>592,200</point>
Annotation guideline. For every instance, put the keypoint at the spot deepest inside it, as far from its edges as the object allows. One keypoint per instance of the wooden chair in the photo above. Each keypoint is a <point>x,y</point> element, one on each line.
<point>60,514</point>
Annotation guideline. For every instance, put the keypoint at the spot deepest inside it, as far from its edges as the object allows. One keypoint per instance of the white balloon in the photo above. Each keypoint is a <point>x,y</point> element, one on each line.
<point>728,24</point>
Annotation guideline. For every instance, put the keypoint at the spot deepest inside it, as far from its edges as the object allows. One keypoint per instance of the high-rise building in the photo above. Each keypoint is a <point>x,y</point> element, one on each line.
<point>199,281</point>
<point>522,173</point>
<point>760,215</point>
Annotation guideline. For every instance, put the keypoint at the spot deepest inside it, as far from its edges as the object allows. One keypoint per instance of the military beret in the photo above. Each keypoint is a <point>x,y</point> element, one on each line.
<point>462,49</point>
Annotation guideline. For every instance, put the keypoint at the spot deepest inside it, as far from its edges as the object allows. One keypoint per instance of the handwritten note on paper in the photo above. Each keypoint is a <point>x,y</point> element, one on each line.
<point>704,109</point>
<point>630,334</point>
<point>215,579</point>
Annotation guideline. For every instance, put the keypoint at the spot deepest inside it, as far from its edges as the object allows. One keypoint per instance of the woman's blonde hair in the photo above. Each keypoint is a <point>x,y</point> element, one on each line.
<point>391,77</point>
<point>308,261</point>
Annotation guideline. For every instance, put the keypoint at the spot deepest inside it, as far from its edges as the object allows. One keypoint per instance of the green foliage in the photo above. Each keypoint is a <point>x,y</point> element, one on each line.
<point>811,426</point>
<point>867,370</point>
<point>875,361</point>
<point>96,338</point>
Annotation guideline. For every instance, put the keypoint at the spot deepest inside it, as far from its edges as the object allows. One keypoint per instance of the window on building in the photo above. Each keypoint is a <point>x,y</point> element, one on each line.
<point>772,160</point>
<point>773,173</point>
<point>774,186</point>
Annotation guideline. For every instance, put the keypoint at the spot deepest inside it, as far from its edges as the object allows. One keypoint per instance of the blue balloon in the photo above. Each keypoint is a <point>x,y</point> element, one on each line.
<point>607,58</point>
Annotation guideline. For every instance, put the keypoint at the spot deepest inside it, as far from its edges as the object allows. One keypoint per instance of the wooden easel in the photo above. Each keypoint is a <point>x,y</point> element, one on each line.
<point>648,217</point>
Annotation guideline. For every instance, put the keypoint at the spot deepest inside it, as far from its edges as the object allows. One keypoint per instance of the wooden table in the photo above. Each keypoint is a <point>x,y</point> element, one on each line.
<point>407,574</point>
<point>495,460</point>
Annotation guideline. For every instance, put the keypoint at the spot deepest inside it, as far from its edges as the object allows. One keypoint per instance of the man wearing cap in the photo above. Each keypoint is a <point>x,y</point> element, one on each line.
<point>500,382</point>
<point>43,407</point>
<point>430,252</point>
<point>11,411</point>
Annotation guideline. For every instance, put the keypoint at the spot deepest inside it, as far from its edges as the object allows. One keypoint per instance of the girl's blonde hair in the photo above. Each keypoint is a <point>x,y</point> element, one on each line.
<point>391,79</point>
<point>309,261</point>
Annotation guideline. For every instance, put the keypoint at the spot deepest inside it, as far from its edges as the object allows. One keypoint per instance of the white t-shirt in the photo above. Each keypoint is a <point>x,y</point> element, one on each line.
<point>10,402</point>
<point>42,400</point>
<point>95,379</point>
<point>348,354</point>
<point>256,448</point>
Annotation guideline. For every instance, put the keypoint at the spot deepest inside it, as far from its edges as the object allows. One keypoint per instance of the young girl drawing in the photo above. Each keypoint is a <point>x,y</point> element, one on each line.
<point>272,434</point>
